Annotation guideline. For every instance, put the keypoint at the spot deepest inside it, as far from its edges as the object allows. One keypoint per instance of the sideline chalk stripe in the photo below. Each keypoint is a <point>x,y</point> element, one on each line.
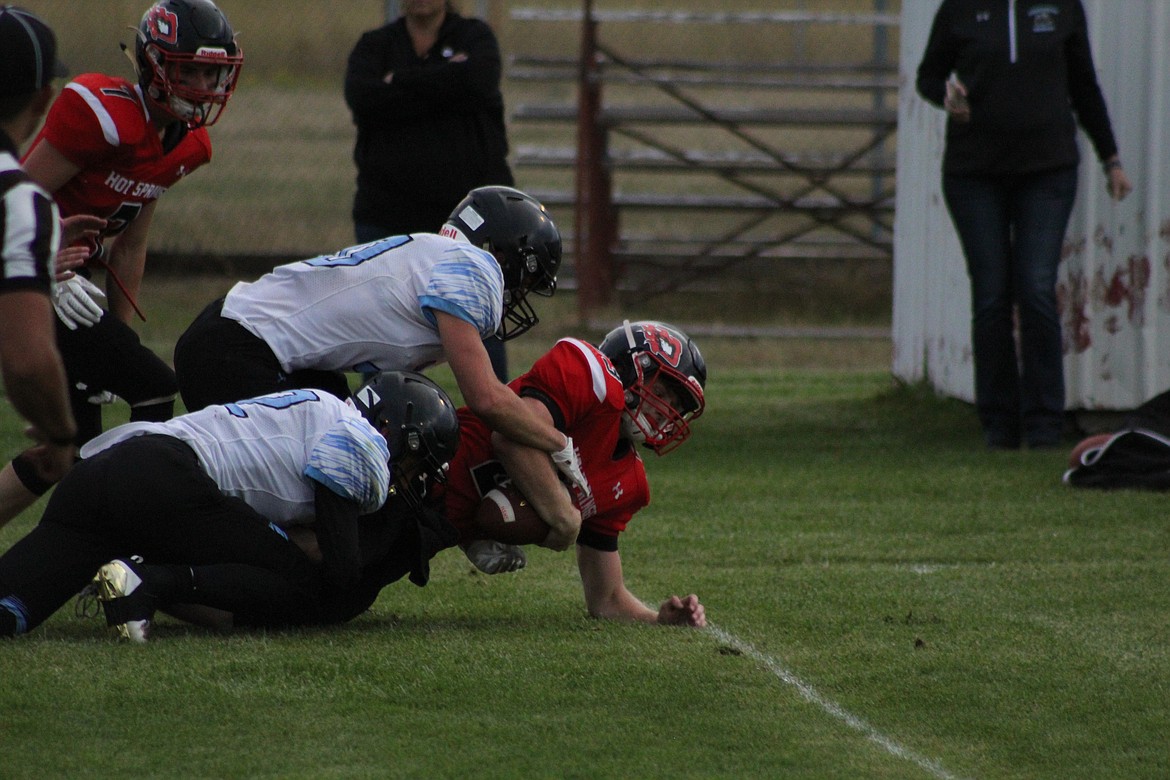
<point>811,695</point>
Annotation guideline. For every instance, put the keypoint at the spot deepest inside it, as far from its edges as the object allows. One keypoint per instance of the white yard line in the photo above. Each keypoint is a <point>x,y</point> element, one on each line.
<point>811,695</point>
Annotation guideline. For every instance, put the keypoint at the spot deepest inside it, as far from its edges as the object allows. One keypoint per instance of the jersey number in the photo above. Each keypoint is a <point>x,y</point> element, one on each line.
<point>121,219</point>
<point>356,255</point>
<point>274,401</point>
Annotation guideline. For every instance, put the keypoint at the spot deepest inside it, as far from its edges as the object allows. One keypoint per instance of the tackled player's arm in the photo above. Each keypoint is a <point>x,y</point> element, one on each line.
<point>607,597</point>
<point>127,260</point>
<point>534,475</point>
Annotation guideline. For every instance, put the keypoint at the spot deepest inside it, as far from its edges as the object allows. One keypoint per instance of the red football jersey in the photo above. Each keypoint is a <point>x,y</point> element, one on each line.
<point>100,123</point>
<point>584,388</point>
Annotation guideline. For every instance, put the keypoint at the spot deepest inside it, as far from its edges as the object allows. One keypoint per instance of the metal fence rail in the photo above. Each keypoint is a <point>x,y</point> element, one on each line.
<point>663,140</point>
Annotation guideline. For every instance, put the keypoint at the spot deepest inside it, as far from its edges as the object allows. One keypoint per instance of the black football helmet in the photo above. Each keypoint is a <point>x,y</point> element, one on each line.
<point>177,32</point>
<point>519,231</point>
<point>663,374</point>
<point>418,420</point>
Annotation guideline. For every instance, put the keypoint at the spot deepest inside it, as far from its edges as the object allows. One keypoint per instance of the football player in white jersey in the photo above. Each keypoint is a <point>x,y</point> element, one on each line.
<point>214,487</point>
<point>400,303</point>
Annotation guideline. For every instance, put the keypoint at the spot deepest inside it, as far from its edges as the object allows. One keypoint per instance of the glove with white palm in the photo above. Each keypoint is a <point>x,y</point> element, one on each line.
<point>74,301</point>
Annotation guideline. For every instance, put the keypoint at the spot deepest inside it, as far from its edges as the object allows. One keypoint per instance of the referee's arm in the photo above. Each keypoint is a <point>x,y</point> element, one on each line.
<point>34,376</point>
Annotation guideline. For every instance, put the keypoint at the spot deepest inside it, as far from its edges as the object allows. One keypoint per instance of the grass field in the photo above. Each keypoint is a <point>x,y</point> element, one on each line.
<point>888,601</point>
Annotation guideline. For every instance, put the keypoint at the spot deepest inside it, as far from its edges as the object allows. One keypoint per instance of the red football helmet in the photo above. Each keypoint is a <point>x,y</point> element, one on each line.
<point>188,59</point>
<point>663,373</point>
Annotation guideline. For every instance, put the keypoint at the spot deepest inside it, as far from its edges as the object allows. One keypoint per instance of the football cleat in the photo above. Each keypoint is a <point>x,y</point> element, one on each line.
<point>127,604</point>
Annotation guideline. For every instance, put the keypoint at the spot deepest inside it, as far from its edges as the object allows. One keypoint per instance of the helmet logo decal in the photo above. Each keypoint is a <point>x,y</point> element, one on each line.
<point>164,25</point>
<point>368,397</point>
<point>663,343</point>
<point>471,218</point>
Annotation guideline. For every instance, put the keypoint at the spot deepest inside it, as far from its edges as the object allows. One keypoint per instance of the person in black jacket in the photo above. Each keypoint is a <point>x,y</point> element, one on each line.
<point>425,95</point>
<point>1014,79</point>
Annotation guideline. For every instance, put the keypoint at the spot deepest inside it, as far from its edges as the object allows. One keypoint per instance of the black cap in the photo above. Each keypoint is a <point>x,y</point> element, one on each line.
<point>28,52</point>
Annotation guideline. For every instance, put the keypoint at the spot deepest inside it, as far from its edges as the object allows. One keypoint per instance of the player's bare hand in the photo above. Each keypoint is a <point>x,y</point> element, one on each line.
<point>560,540</point>
<point>687,611</point>
<point>80,226</point>
<point>68,259</point>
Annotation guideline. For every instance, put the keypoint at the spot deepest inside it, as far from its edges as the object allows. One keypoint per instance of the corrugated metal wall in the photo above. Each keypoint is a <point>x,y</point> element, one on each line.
<point>1114,283</point>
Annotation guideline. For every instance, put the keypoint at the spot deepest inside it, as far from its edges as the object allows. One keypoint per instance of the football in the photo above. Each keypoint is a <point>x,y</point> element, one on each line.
<point>506,516</point>
<point>1090,443</point>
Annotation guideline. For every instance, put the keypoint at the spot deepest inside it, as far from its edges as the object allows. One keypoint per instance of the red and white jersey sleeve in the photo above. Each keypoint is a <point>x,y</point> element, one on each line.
<point>100,123</point>
<point>588,399</point>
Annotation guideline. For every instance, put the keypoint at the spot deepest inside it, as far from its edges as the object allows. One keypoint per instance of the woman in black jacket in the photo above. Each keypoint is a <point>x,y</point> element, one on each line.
<point>1014,79</point>
<point>425,95</point>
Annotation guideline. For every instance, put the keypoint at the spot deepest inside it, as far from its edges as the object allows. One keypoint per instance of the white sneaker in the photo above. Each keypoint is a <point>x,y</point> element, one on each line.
<point>127,605</point>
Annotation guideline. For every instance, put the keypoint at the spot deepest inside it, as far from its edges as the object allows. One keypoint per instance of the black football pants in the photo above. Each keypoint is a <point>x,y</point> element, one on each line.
<point>110,356</point>
<point>219,361</point>
<point>148,496</point>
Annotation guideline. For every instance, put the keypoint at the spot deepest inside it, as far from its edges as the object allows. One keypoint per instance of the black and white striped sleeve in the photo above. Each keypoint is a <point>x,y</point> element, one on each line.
<point>30,230</point>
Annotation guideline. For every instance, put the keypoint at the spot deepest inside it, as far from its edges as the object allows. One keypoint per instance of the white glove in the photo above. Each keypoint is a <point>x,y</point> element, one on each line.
<point>73,300</point>
<point>568,464</point>
<point>493,557</point>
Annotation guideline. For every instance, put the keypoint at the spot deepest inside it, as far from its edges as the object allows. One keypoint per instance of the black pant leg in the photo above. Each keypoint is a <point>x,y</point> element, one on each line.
<point>110,356</point>
<point>218,361</point>
<point>146,496</point>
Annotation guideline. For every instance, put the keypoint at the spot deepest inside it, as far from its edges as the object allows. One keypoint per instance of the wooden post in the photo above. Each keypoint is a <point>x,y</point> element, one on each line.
<point>595,221</point>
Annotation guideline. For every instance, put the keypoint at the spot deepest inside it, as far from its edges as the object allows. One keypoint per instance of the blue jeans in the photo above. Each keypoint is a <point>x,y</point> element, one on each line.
<point>1012,230</point>
<point>366,232</point>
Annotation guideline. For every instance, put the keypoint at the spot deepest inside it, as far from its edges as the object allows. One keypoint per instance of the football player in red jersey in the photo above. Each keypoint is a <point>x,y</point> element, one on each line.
<point>110,148</point>
<point>642,385</point>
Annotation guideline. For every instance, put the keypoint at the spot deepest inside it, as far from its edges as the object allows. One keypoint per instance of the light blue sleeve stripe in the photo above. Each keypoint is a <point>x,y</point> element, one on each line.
<point>431,304</point>
<point>354,462</point>
<point>467,284</point>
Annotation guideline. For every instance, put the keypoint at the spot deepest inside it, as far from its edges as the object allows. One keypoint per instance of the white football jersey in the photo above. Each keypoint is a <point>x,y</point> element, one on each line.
<point>369,307</point>
<point>269,450</point>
